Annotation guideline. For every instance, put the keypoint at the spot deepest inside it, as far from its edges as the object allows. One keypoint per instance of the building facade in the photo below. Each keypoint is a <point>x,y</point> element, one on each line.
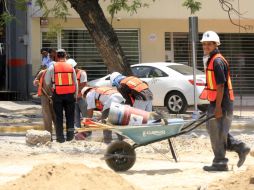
<point>157,33</point>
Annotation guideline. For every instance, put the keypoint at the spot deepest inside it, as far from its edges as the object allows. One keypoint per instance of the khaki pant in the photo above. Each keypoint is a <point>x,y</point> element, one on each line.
<point>48,113</point>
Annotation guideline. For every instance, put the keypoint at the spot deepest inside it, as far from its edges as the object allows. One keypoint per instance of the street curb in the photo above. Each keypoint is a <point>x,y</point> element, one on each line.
<point>18,129</point>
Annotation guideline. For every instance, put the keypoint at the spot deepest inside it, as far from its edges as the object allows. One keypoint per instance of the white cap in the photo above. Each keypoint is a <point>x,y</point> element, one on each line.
<point>72,62</point>
<point>210,36</point>
<point>85,89</point>
<point>60,50</point>
<point>113,76</point>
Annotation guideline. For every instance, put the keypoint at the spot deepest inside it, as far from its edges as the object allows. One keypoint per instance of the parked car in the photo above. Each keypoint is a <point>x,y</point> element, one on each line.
<point>171,84</point>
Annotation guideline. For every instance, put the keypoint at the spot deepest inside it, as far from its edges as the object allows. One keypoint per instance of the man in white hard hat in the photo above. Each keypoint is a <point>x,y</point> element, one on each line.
<point>80,104</point>
<point>101,98</point>
<point>219,92</point>
<point>135,91</point>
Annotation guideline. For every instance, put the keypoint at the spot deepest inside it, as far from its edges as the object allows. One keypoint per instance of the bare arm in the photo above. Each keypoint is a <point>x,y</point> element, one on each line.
<point>220,93</point>
<point>89,113</point>
<point>37,78</point>
<point>82,85</point>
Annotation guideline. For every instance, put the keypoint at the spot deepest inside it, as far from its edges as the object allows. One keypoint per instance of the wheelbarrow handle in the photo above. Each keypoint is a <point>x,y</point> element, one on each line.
<point>200,122</point>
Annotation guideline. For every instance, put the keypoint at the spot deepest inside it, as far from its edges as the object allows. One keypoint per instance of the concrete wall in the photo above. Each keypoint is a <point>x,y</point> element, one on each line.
<point>173,9</point>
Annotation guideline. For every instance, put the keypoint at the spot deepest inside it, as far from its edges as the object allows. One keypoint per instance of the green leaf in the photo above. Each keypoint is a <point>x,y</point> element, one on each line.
<point>193,5</point>
<point>6,18</point>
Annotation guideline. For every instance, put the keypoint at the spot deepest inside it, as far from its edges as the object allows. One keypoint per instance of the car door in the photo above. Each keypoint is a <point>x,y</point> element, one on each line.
<point>156,80</point>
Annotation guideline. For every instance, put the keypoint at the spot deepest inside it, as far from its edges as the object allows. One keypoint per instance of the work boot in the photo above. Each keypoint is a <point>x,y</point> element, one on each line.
<point>62,140</point>
<point>216,168</point>
<point>70,136</point>
<point>242,153</point>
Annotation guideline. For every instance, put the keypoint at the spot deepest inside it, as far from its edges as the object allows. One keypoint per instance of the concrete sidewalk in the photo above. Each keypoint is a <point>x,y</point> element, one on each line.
<point>8,106</point>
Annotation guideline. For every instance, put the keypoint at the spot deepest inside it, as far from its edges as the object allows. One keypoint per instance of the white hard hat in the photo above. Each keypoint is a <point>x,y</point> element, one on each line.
<point>85,89</point>
<point>72,62</point>
<point>113,77</point>
<point>210,36</point>
<point>60,51</point>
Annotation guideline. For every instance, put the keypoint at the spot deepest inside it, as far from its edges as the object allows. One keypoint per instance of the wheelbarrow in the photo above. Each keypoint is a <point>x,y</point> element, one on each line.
<point>121,155</point>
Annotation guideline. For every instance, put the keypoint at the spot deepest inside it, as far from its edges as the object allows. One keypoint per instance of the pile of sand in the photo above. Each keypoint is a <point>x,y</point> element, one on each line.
<point>69,177</point>
<point>241,181</point>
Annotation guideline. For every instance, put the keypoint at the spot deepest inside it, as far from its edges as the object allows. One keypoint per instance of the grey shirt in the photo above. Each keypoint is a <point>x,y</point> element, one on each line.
<point>49,78</point>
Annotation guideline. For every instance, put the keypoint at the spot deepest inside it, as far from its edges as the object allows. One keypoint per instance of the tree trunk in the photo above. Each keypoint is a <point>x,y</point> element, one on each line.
<point>103,35</point>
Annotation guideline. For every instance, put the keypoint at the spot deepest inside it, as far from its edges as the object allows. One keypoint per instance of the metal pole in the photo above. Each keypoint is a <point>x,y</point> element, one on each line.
<point>193,30</point>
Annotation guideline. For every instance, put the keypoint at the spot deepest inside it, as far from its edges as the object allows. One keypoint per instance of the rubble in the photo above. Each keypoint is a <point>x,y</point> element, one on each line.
<point>36,137</point>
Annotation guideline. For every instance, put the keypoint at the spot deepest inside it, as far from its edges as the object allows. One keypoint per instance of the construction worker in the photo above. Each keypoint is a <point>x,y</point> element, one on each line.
<point>61,77</point>
<point>80,104</point>
<point>101,98</point>
<point>46,61</point>
<point>219,92</point>
<point>46,102</point>
<point>135,91</point>
<point>52,56</point>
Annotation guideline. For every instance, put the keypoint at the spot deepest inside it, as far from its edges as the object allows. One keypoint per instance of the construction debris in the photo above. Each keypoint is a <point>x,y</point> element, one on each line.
<point>35,137</point>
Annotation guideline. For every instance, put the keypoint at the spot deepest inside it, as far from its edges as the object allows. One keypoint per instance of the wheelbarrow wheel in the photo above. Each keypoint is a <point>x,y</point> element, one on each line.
<point>120,156</point>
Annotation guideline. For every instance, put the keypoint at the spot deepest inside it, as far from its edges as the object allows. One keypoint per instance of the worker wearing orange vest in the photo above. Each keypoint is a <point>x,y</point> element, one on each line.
<point>219,92</point>
<point>62,78</point>
<point>101,98</point>
<point>46,102</point>
<point>80,104</point>
<point>135,91</point>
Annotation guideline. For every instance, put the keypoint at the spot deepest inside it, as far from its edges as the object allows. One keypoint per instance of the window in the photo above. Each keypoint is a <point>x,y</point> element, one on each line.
<point>141,71</point>
<point>49,41</point>
<point>184,69</point>
<point>147,72</point>
<point>157,73</point>
<point>236,48</point>
<point>79,46</point>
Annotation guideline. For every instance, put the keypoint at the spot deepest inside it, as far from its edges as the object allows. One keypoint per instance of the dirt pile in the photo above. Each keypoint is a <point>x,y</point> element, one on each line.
<point>69,176</point>
<point>241,181</point>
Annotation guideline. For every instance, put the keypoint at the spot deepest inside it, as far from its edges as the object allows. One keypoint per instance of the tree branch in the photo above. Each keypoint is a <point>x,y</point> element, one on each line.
<point>228,7</point>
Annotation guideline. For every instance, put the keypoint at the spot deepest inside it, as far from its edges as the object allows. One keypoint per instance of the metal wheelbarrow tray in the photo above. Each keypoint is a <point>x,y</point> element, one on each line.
<point>121,156</point>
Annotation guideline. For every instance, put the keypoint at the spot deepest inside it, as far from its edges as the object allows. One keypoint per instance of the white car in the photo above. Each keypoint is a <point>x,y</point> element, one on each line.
<point>171,83</point>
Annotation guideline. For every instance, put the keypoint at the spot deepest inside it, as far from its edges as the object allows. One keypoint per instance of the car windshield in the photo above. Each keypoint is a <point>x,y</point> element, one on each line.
<point>184,69</point>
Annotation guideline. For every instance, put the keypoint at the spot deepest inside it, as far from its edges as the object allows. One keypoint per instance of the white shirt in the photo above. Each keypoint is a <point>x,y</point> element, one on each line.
<point>83,76</point>
<point>106,100</point>
<point>46,61</point>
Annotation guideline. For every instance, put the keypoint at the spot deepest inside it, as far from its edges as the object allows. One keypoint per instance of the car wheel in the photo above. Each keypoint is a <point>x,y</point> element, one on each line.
<point>176,102</point>
<point>203,107</point>
<point>120,156</point>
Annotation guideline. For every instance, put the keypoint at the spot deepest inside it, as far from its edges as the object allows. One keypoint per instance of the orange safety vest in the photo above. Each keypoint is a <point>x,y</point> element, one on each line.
<point>78,73</point>
<point>103,91</point>
<point>63,75</point>
<point>134,83</point>
<point>41,82</point>
<point>210,90</point>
